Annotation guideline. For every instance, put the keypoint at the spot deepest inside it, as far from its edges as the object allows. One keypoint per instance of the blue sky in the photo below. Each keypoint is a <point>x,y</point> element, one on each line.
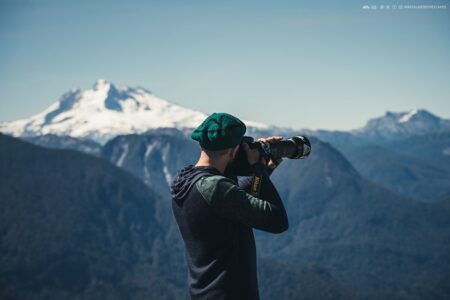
<point>305,64</point>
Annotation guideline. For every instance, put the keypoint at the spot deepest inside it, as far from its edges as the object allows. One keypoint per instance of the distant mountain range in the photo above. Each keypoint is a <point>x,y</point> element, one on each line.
<point>87,120</point>
<point>108,110</point>
<point>404,152</point>
<point>368,209</point>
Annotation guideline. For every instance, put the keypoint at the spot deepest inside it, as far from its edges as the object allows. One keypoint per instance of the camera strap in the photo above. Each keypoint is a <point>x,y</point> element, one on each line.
<point>256,185</point>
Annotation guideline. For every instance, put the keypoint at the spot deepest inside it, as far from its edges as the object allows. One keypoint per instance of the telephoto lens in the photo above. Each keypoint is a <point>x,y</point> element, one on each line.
<point>295,147</point>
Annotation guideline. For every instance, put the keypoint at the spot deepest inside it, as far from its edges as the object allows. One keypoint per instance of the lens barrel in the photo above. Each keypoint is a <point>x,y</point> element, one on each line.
<point>294,148</point>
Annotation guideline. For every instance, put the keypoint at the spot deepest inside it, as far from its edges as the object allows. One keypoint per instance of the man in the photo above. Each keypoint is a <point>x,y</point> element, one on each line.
<point>216,216</point>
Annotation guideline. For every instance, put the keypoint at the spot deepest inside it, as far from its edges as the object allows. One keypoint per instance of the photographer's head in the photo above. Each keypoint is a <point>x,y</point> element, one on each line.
<point>219,137</point>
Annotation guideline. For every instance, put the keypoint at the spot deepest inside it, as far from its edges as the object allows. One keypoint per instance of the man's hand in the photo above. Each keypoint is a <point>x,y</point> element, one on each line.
<point>253,155</point>
<point>272,164</point>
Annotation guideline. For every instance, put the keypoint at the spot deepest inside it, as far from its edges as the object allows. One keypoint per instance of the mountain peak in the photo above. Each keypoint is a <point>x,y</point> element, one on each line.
<point>397,124</point>
<point>417,114</point>
<point>101,84</point>
<point>404,117</point>
<point>103,112</point>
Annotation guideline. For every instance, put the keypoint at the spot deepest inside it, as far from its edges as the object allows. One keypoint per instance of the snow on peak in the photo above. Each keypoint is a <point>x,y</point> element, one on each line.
<point>106,111</point>
<point>392,124</point>
<point>408,115</point>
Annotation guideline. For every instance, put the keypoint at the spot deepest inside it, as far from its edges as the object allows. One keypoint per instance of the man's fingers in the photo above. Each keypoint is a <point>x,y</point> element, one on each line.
<point>270,139</point>
<point>275,138</point>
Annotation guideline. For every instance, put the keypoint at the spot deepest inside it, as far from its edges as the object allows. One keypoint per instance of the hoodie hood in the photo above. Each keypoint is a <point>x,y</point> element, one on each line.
<point>186,178</point>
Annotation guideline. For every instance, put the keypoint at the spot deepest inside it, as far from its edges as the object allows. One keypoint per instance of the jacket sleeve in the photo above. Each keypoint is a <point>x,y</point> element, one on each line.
<point>245,182</point>
<point>232,202</point>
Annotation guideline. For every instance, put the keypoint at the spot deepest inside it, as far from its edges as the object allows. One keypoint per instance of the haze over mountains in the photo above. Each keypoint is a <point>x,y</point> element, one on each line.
<point>369,209</point>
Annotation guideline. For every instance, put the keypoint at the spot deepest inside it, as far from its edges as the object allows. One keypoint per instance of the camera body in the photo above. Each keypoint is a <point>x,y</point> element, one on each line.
<point>296,147</point>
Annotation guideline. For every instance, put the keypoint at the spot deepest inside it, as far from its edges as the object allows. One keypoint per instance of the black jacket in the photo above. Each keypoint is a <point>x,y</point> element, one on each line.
<point>215,217</point>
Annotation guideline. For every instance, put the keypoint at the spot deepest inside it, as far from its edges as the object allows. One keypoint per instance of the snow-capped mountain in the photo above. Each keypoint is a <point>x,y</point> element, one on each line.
<point>109,110</point>
<point>105,111</point>
<point>393,125</point>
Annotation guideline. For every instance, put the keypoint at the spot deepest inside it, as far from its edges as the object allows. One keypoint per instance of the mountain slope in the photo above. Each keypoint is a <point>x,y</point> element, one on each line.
<point>76,227</point>
<point>408,175</point>
<point>433,148</point>
<point>367,237</point>
<point>154,157</point>
<point>53,141</point>
<point>302,281</point>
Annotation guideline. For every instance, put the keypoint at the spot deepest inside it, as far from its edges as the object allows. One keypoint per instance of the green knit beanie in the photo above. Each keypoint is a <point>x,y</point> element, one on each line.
<point>219,131</point>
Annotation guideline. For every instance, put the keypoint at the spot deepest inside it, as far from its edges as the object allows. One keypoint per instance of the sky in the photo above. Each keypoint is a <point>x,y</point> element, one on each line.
<point>303,64</point>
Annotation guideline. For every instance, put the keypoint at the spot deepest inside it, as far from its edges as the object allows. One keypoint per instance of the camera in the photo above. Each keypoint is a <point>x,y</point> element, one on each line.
<point>296,147</point>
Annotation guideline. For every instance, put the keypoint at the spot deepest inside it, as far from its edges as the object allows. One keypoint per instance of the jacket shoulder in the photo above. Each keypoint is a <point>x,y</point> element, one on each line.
<point>214,187</point>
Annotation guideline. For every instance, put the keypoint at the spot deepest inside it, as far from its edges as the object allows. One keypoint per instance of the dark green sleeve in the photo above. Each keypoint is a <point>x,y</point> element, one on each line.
<point>232,202</point>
